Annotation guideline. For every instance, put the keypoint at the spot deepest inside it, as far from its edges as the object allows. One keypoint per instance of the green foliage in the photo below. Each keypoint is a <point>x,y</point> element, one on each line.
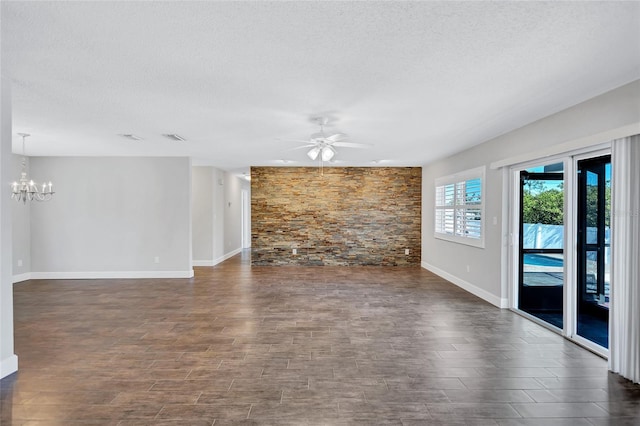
<point>592,206</point>
<point>542,205</point>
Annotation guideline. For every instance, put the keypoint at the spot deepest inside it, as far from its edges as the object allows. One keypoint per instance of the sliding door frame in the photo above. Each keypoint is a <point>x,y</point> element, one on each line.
<point>522,251</point>
<point>594,347</point>
<point>515,204</point>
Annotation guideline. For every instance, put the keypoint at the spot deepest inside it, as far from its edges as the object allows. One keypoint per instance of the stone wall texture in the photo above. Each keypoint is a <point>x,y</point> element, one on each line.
<point>345,216</point>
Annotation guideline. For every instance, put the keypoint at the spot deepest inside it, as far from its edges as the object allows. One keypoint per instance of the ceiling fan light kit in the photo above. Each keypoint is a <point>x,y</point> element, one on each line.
<point>327,153</point>
<point>313,152</point>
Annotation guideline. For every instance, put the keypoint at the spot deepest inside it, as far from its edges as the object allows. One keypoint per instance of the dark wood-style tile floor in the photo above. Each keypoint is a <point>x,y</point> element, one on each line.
<point>295,346</point>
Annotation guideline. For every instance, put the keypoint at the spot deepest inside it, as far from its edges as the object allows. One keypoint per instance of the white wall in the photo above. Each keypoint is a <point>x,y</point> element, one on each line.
<point>21,227</point>
<point>612,110</point>
<point>202,214</point>
<point>112,217</point>
<point>245,199</point>
<point>232,213</point>
<point>8,360</point>
<point>216,215</point>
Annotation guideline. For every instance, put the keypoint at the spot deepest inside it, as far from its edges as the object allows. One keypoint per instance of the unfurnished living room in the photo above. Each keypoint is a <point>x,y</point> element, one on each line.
<point>320,213</point>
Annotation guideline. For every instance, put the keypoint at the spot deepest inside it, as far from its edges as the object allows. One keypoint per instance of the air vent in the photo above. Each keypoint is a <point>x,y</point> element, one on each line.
<point>174,137</point>
<point>130,136</point>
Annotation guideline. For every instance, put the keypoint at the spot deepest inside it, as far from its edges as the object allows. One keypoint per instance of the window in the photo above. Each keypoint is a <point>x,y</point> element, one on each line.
<point>459,207</point>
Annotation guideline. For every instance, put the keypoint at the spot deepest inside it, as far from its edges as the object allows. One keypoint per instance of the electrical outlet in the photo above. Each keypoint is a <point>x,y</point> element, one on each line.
<point>406,251</point>
<point>295,251</point>
<point>19,262</point>
<point>156,259</point>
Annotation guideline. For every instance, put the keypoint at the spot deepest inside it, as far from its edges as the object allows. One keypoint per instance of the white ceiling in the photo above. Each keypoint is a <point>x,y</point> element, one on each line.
<point>418,80</point>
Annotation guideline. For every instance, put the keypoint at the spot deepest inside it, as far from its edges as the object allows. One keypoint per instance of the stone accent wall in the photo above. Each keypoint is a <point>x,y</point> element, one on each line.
<point>348,216</point>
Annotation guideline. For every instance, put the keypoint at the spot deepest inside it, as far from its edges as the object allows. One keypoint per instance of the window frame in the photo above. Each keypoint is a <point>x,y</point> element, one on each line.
<point>459,209</point>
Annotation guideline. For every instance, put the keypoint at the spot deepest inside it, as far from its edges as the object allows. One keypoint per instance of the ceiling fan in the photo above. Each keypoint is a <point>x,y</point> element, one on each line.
<point>322,147</point>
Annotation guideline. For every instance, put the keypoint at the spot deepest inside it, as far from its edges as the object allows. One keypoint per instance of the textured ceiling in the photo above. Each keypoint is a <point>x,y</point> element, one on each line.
<point>417,80</point>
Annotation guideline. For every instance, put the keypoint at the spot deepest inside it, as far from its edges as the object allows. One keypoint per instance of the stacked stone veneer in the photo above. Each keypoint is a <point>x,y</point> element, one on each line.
<point>347,216</point>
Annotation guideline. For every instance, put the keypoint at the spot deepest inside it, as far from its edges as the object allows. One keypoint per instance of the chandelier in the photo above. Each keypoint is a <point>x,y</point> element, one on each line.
<point>27,189</point>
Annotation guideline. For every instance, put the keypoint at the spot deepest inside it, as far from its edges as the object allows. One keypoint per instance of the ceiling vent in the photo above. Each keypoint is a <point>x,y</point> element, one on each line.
<point>130,136</point>
<point>174,137</point>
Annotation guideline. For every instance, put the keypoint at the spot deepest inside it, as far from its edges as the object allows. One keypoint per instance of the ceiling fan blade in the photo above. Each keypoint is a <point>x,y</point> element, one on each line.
<point>351,145</point>
<point>296,140</point>
<point>301,147</point>
<point>336,137</point>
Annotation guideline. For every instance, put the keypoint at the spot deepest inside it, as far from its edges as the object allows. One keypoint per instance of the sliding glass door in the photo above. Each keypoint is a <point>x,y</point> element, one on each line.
<point>560,262</point>
<point>594,253</point>
<point>541,257</point>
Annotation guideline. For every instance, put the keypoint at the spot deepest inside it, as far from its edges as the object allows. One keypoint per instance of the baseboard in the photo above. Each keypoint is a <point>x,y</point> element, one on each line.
<point>202,262</point>
<point>91,275</point>
<point>8,366</point>
<point>214,262</point>
<point>501,303</point>
<point>227,256</point>
<point>21,277</point>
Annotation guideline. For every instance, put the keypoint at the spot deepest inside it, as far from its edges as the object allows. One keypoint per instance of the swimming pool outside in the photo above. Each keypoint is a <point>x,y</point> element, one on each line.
<point>555,260</point>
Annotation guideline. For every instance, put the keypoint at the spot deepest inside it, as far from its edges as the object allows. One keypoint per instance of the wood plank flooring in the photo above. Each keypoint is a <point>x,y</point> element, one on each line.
<point>295,346</point>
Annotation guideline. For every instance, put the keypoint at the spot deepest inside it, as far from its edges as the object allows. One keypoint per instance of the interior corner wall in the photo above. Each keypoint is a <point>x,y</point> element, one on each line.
<point>346,216</point>
<point>8,359</point>
<point>217,215</point>
<point>202,215</point>
<point>481,271</point>
<point>112,217</point>
<point>21,227</point>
